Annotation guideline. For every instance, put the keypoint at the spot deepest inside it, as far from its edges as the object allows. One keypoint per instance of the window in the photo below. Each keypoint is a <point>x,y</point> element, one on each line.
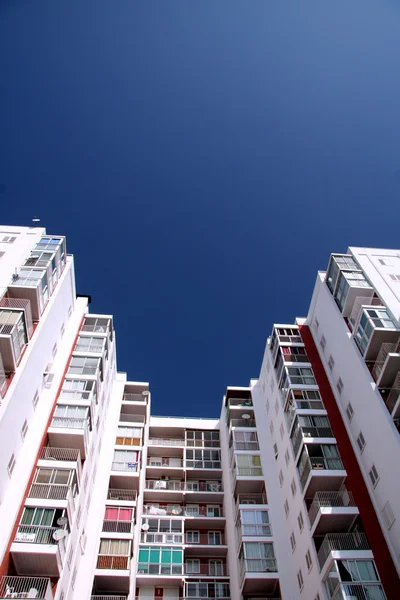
<point>281,431</point>
<point>281,477</point>
<point>70,311</point>
<point>160,560</point>
<point>207,439</point>
<point>301,376</point>
<point>78,389</point>
<point>203,459</point>
<point>276,407</point>
<point>70,416</point>
<point>83,365</point>
<point>255,522</point>
<point>361,441</point>
<point>286,506</point>
<point>213,510</point>
<point>129,436</point>
<point>90,344</point>
<point>388,515</point>
<point>8,239</point>
<point>292,541</point>
<point>62,330</point>
<point>271,427</point>
<point>85,483</point>
<point>323,342</point>
<point>316,323</point>
<point>245,440</point>
<point>79,515</point>
<point>331,362</point>
<point>349,411</point>
<point>308,560</point>
<point>192,537</point>
<point>394,277</point>
<point>287,457</point>
<point>373,474</point>
<point>74,577</point>
<point>24,429</point>
<point>371,319</point>
<point>11,465</point>
<point>293,487</point>
<point>300,521</point>
<point>300,580</point>
<point>192,565</point>
<point>258,557</point>
<point>276,451</point>
<point>267,406</point>
<point>2,254</point>
<point>339,385</point>
<point>306,399</point>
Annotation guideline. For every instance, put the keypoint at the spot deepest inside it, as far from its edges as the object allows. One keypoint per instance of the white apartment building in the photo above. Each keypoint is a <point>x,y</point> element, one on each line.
<point>292,493</point>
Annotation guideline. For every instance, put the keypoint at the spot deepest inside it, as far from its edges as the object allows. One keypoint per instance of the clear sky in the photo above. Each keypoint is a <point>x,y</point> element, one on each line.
<point>203,158</point>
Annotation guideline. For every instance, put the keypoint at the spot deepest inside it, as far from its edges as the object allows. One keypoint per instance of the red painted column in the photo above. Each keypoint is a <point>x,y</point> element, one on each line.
<point>355,480</point>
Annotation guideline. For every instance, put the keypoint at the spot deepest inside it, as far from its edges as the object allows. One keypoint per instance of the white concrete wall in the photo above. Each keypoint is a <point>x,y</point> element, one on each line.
<point>370,413</point>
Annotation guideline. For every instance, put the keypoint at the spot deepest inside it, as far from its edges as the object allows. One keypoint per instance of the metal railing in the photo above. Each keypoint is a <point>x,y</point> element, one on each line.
<point>108,597</point>
<point>25,587</point>
<point>358,591</point>
<point>203,464</point>
<point>341,541</point>
<point>121,494</point>
<point>242,422</point>
<point>248,471</point>
<point>204,486</point>
<point>25,306</point>
<point>35,534</point>
<point>166,441</point>
<point>165,461</point>
<point>329,500</point>
<point>110,561</point>
<point>319,463</point>
<point>211,570</point>
<point>68,454</point>
<point>130,467</point>
<point>115,526</point>
<point>49,491</point>
<point>385,349</point>
<point>258,565</point>
<point>163,484</point>
<point>205,539</point>
<point>129,397</point>
<point>161,538</point>
<point>69,422</point>
<point>128,418</point>
<point>160,569</point>
<point>251,499</point>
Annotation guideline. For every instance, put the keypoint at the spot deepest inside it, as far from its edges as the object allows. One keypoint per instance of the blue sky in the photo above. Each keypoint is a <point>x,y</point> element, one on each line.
<point>203,159</point>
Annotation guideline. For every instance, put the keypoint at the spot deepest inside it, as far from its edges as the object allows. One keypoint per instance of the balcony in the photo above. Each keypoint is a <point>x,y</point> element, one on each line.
<point>69,432</point>
<point>258,575</point>
<point>303,432</point>
<point>173,490</point>
<point>26,587</point>
<point>16,329</point>
<point>374,328</point>
<point>205,543</point>
<point>164,466</point>
<point>242,422</point>
<point>61,496</point>
<point>206,570</point>
<point>69,457</point>
<point>31,284</point>
<point>117,526</point>
<point>36,552</point>
<point>358,591</point>
<point>126,417</point>
<point>153,441</point>
<point>113,562</point>
<point>203,491</point>
<point>207,467</point>
<point>239,402</point>
<point>254,500</point>
<point>122,495</point>
<point>391,397</point>
<point>321,474</point>
<point>332,512</point>
<point>343,546</point>
<point>247,479</point>
<point>387,364</point>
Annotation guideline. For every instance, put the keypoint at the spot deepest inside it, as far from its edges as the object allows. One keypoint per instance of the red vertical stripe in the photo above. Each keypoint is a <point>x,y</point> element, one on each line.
<point>355,480</point>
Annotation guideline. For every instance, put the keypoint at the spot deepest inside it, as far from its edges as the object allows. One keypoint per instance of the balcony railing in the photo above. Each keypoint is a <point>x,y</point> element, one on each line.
<point>161,538</point>
<point>121,494</point>
<point>128,397</point>
<point>205,539</point>
<point>49,491</point>
<point>341,541</point>
<point>250,499</point>
<point>107,597</point>
<point>25,587</point>
<point>329,500</point>
<point>248,471</point>
<point>35,534</point>
<point>358,591</point>
<point>239,402</point>
<point>307,432</point>
<point>203,486</point>
<point>108,561</point>
<point>166,441</point>
<point>163,484</point>
<point>129,467</point>
<point>203,464</point>
<point>208,570</point>
<point>69,422</point>
<point>164,462</point>
<point>258,565</point>
<point>128,418</point>
<point>390,396</point>
<point>70,395</point>
<point>246,446</point>
<point>160,569</point>
<point>111,526</point>
<point>242,423</point>
<point>180,510</point>
<point>64,454</point>
<point>319,463</point>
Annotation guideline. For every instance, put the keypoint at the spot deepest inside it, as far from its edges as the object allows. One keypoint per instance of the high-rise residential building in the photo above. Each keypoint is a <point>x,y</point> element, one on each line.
<point>292,493</point>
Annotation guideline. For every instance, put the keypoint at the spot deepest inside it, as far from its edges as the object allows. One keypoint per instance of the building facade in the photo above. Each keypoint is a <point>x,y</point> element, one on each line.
<point>292,493</point>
